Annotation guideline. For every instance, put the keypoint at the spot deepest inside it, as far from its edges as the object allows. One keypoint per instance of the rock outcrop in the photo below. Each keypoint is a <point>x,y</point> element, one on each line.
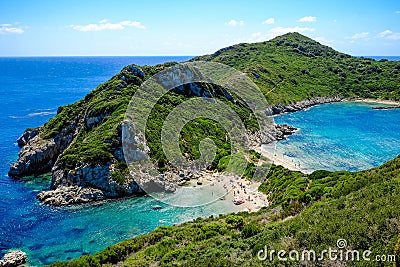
<point>26,136</point>
<point>284,130</point>
<point>301,105</point>
<point>13,259</point>
<point>68,195</point>
<point>38,155</point>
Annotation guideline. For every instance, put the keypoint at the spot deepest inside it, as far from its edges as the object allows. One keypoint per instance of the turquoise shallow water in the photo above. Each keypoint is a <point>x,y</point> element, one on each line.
<point>342,136</point>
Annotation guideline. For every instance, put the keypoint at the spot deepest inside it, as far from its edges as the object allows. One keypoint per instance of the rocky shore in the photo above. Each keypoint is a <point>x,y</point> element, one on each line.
<point>69,195</point>
<point>301,105</point>
<point>13,259</point>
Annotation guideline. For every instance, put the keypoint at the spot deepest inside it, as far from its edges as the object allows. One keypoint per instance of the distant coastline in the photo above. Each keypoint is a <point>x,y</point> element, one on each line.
<point>390,58</point>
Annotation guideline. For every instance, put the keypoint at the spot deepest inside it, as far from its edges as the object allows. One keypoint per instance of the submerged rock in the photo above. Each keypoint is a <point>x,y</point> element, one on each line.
<point>284,130</point>
<point>13,259</point>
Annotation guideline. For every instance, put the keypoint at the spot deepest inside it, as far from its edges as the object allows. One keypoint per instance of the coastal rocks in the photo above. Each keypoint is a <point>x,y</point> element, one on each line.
<point>386,108</point>
<point>131,75</point>
<point>26,136</point>
<point>136,71</point>
<point>35,157</point>
<point>84,175</point>
<point>38,155</point>
<point>136,153</point>
<point>300,105</point>
<point>68,195</point>
<point>284,130</point>
<point>13,259</point>
<point>99,177</point>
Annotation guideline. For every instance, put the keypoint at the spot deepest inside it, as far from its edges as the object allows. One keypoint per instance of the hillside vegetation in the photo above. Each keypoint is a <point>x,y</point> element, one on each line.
<point>293,67</point>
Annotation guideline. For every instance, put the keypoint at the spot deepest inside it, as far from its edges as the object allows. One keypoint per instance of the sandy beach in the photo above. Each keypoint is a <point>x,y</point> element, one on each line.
<point>370,100</point>
<point>270,152</point>
<point>228,188</point>
<point>246,190</point>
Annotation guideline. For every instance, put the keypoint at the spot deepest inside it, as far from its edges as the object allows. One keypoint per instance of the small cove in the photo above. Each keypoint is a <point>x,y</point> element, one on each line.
<point>349,136</point>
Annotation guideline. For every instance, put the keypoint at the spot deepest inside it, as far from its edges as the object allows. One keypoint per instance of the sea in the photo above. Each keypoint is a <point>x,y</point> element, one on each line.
<point>31,90</point>
<point>350,136</point>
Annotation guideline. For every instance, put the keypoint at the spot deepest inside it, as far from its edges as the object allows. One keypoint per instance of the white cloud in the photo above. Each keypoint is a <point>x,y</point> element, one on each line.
<point>388,34</point>
<point>105,25</point>
<point>308,19</point>
<point>384,33</point>
<point>234,23</point>
<point>256,34</point>
<point>360,35</point>
<point>269,21</point>
<point>10,29</point>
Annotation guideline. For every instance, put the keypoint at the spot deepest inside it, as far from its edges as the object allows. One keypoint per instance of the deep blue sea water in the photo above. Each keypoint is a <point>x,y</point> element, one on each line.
<point>31,89</point>
<point>392,58</point>
<point>341,136</point>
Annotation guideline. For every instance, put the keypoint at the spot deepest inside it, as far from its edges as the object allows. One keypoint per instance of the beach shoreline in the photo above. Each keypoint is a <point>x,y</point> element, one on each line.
<point>234,188</point>
<point>277,159</point>
<point>371,100</point>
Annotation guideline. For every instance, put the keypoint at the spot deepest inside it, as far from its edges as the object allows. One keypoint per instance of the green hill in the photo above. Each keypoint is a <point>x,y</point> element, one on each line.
<point>293,67</point>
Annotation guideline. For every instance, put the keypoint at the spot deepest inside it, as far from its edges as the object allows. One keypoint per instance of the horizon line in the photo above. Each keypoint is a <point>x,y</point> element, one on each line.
<point>155,55</point>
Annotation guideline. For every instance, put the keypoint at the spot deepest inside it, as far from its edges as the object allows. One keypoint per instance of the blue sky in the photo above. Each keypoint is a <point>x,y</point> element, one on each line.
<point>40,28</point>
